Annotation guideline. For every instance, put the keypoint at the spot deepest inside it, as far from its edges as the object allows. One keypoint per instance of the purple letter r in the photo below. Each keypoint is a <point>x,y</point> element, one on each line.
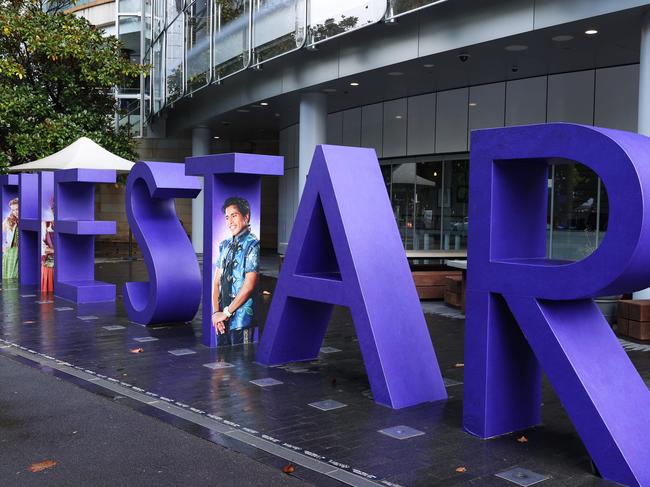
<point>525,311</point>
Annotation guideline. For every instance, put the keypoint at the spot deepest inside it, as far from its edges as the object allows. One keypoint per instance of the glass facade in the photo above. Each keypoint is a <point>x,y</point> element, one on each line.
<point>191,44</point>
<point>430,200</point>
<point>130,93</point>
<point>578,211</point>
<point>429,197</point>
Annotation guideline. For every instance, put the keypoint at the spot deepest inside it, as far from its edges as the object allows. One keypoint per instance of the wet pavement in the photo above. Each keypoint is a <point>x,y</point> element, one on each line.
<point>279,417</point>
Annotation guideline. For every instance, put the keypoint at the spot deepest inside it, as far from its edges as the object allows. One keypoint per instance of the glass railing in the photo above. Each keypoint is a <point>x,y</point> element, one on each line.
<point>231,39</point>
<point>193,43</point>
<point>130,116</point>
<point>337,17</point>
<point>397,8</point>
<point>174,53</point>
<point>279,27</point>
<point>197,45</point>
<point>158,18</point>
<point>158,65</point>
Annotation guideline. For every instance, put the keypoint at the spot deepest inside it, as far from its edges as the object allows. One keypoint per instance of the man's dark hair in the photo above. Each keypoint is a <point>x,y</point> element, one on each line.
<point>241,204</point>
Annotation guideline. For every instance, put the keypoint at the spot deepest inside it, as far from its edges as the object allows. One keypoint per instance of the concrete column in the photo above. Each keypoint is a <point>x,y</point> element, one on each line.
<point>201,137</point>
<point>643,126</point>
<point>312,131</point>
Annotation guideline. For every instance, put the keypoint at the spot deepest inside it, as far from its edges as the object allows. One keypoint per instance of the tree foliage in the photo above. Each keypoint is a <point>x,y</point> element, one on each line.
<point>57,74</point>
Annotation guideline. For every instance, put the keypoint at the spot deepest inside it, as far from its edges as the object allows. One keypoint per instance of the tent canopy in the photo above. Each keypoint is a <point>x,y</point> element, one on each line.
<point>81,154</point>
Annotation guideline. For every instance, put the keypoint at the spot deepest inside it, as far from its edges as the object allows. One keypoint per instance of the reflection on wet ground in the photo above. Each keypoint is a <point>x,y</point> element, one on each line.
<point>427,445</point>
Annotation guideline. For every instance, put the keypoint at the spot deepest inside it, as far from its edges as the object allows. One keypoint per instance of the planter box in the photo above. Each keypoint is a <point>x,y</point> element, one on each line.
<point>431,282</point>
<point>640,330</point>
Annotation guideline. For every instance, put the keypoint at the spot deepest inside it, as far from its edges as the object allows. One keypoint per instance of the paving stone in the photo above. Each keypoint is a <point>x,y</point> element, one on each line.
<point>401,432</point>
<point>218,365</point>
<point>182,351</point>
<point>522,476</point>
<point>266,382</point>
<point>327,405</point>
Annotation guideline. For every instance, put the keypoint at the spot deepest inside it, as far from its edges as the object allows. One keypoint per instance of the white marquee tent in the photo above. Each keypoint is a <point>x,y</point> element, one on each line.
<point>81,154</point>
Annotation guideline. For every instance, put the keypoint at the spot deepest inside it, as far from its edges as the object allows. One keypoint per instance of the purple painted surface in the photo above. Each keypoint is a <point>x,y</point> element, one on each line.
<point>526,312</point>
<point>74,235</point>
<point>29,249</point>
<point>345,249</point>
<point>173,292</point>
<point>8,191</point>
<point>46,229</point>
<point>236,163</point>
<point>226,175</point>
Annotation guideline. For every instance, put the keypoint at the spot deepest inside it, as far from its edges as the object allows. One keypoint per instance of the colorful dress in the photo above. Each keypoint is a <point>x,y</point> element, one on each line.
<point>10,254</point>
<point>47,259</point>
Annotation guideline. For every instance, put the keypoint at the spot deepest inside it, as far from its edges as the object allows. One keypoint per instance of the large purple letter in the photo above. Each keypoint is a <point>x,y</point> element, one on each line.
<point>173,292</point>
<point>523,308</point>
<point>75,228</point>
<point>345,249</point>
<point>9,194</point>
<point>29,247</point>
<point>226,175</point>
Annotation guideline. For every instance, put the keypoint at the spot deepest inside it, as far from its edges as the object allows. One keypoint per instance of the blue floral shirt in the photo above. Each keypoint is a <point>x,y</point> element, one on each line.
<point>237,257</point>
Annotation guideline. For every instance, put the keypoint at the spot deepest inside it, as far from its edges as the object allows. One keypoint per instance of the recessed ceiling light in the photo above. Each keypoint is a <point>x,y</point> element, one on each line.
<point>264,104</point>
<point>395,73</point>
<point>562,38</point>
<point>243,110</point>
<point>354,83</point>
<point>472,103</point>
<point>429,65</point>
<point>329,90</point>
<point>398,117</point>
<point>216,137</point>
<point>516,47</point>
<point>591,32</point>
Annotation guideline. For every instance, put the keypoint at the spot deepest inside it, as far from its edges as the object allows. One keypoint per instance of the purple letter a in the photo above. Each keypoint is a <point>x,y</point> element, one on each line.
<point>345,249</point>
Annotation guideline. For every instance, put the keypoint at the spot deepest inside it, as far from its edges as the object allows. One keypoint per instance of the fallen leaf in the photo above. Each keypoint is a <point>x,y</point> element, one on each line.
<point>266,293</point>
<point>459,365</point>
<point>333,381</point>
<point>289,468</point>
<point>461,470</point>
<point>136,350</point>
<point>522,439</point>
<point>40,466</point>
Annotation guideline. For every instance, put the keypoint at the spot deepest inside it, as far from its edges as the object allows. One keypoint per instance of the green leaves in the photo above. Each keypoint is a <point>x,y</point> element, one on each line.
<point>57,74</point>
